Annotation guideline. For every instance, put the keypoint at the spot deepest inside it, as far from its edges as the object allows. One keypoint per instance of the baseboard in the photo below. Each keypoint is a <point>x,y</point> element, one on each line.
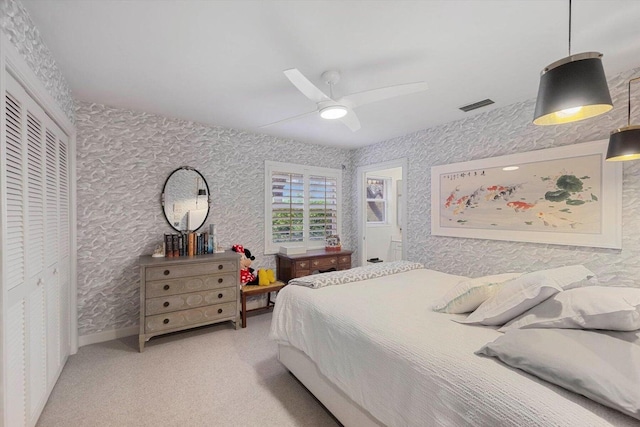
<point>103,336</point>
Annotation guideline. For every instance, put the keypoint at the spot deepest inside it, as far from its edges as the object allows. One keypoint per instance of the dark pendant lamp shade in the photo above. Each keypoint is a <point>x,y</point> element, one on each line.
<point>572,89</point>
<point>624,144</point>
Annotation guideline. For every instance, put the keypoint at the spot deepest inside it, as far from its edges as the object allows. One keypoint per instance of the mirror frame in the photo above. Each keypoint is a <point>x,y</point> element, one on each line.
<point>162,198</point>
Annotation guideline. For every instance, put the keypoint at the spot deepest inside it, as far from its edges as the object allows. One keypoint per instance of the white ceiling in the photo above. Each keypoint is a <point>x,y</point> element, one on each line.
<point>221,62</point>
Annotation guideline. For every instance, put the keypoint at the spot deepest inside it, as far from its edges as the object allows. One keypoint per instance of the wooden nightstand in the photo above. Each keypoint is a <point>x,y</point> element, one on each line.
<point>315,261</point>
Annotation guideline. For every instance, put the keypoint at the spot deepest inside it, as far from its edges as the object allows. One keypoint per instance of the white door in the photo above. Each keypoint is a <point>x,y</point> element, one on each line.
<point>36,197</point>
<point>381,225</point>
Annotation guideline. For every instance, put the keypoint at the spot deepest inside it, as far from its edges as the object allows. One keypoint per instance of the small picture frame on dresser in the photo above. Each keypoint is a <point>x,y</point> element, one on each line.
<point>332,243</point>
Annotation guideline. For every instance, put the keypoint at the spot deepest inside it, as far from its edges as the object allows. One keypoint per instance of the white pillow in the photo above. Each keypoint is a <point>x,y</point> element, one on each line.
<point>594,307</point>
<point>602,366</point>
<point>467,295</point>
<point>519,295</point>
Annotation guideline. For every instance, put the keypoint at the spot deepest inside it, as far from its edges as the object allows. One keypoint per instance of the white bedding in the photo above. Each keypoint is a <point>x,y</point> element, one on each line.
<point>379,342</point>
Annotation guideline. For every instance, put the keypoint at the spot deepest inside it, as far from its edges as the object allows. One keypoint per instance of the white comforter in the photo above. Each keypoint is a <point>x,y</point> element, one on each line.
<point>379,342</point>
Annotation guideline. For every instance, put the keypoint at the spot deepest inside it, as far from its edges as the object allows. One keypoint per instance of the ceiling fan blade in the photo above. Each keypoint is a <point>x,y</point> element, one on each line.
<point>374,95</point>
<point>351,120</point>
<point>288,119</point>
<point>305,86</point>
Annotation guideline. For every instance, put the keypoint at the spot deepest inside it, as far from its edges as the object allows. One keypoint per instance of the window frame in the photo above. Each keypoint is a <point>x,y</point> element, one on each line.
<point>306,171</point>
<point>387,188</point>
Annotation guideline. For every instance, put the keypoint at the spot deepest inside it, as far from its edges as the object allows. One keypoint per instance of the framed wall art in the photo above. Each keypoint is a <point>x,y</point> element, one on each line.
<point>565,195</point>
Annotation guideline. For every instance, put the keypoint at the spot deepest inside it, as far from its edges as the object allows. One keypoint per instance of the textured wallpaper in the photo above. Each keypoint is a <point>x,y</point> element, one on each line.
<point>500,132</point>
<point>124,158</point>
<point>19,28</point>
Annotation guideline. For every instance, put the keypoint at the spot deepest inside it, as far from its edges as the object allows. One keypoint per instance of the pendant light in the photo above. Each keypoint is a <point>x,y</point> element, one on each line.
<point>624,143</point>
<point>573,88</point>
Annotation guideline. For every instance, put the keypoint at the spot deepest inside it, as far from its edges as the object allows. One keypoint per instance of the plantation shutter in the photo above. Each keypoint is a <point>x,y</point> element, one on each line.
<point>323,207</point>
<point>287,207</point>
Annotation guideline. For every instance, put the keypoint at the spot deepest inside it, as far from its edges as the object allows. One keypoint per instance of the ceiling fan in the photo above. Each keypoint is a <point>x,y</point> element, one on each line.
<point>342,108</point>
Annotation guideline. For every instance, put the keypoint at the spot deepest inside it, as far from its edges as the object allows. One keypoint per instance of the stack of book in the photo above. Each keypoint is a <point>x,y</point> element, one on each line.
<point>187,244</point>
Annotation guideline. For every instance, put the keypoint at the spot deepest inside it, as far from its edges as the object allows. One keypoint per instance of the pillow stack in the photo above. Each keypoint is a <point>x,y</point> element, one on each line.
<point>520,294</point>
<point>563,328</point>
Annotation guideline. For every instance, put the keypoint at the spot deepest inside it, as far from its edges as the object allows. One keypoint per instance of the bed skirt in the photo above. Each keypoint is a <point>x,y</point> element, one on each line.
<point>339,404</point>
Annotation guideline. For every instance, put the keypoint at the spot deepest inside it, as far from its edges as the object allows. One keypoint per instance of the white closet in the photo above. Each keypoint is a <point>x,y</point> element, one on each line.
<point>36,258</point>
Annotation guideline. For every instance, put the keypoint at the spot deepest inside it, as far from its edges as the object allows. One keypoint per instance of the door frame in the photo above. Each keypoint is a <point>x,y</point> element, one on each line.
<point>361,174</point>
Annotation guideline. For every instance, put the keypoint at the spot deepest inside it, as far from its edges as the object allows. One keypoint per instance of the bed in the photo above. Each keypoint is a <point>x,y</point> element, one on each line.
<point>374,353</point>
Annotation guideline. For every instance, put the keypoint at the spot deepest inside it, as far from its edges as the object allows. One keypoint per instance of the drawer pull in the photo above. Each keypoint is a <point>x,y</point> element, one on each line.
<point>165,321</point>
<point>220,267</point>
<point>166,287</point>
<point>333,261</point>
<point>219,310</point>
<point>166,272</point>
<point>219,295</point>
<point>166,304</point>
<point>220,280</point>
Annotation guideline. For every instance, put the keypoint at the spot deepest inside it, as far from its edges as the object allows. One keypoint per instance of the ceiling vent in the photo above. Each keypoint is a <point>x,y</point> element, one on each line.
<point>476,105</point>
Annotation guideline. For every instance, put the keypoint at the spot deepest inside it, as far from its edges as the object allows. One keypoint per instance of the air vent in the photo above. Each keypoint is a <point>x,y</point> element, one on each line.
<point>476,105</point>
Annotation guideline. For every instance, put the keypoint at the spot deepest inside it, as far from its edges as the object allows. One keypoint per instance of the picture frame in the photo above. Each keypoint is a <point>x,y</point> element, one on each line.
<point>565,195</point>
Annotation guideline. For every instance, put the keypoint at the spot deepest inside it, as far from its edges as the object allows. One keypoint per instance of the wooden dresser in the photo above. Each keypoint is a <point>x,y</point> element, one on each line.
<point>310,262</point>
<point>185,292</point>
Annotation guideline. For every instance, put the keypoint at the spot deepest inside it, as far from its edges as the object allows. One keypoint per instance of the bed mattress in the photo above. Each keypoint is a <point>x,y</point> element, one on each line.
<point>379,342</point>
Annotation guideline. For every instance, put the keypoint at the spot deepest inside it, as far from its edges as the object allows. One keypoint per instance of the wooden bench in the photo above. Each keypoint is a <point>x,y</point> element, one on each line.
<point>249,290</point>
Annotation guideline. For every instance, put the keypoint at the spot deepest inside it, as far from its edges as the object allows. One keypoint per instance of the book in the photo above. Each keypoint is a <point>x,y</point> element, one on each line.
<point>181,244</point>
<point>168,245</point>
<point>176,248</point>
<point>192,242</point>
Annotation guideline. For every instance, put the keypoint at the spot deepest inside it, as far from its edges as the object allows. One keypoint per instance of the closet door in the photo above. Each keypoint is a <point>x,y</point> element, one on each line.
<point>36,257</point>
<point>15,348</point>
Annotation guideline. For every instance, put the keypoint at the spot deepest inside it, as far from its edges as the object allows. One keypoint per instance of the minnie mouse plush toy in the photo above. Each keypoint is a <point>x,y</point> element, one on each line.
<point>246,272</point>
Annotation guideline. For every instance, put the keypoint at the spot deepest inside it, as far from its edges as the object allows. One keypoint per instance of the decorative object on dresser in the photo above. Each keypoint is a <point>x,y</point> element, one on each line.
<point>185,199</point>
<point>186,292</point>
<point>290,266</point>
<point>332,243</point>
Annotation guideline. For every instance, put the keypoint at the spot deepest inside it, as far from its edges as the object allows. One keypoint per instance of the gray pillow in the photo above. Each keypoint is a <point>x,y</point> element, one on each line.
<point>603,366</point>
<point>594,307</point>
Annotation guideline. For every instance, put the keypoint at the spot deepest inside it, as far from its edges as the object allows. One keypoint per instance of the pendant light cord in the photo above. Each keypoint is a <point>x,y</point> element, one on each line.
<point>629,102</point>
<point>569,27</point>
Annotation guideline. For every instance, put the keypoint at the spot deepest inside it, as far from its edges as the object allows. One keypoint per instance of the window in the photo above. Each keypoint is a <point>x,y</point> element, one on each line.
<point>302,205</point>
<point>377,194</point>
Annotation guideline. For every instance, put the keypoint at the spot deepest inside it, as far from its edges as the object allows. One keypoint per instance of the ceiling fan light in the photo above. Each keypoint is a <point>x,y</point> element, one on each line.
<point>624,144</point>
<point>572,89</point>
<point>333,112</point>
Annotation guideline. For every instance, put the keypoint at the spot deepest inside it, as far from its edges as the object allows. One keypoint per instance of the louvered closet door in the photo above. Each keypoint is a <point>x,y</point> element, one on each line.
<point>64,239</point>
<point>15,385</point>
<point>37,200</point>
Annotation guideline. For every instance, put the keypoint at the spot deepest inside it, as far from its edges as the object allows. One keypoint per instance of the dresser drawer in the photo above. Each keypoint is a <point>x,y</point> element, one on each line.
<point>344,261</point>
<point>180,319</point>
<point>191,300</point>
<point>175,271</point>
<point>324,262</point>
<point>302,273</point>
<point>190,284</point>
<point>303,265</point>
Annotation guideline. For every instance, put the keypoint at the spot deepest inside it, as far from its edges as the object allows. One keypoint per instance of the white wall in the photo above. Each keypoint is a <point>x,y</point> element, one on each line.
<point>124,158</point>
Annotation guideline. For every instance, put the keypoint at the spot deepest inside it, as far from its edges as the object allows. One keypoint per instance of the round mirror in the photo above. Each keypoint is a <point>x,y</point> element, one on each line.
<point>185,199</point>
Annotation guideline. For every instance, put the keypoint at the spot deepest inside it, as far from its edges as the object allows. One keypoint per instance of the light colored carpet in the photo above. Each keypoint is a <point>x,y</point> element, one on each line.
<point>212,376</point>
